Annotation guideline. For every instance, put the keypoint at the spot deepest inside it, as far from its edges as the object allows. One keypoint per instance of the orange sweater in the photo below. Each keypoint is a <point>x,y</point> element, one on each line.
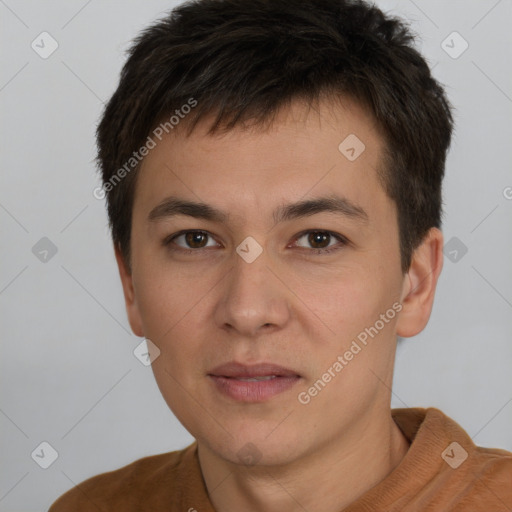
<point>442,471</point>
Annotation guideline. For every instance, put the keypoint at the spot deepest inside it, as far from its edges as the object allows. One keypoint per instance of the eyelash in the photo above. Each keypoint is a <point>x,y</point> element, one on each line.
<point>170,239</point>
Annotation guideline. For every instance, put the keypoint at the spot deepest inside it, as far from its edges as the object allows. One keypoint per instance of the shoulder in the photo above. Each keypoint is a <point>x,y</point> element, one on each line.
<point>493,464</point>
<point>468,476</point>
<point>155,476</point>
<point>483,479</point>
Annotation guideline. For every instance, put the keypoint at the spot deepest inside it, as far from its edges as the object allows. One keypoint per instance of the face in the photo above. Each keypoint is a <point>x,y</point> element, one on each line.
<point>274,310</point>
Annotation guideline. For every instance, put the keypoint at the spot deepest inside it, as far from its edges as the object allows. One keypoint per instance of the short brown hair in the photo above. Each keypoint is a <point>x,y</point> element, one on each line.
<point>243,60</point>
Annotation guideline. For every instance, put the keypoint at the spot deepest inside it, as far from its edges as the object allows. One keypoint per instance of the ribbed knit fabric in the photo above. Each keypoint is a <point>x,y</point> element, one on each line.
<point>442,471</point>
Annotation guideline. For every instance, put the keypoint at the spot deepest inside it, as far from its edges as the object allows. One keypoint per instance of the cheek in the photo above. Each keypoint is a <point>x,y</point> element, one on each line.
<point>172,306</point>
<point>347,301</point>
<point>167,296</point>
<point>350,303</point>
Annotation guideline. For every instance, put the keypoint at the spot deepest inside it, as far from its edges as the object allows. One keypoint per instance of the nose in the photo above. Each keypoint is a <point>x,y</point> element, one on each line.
<point>253,299</point>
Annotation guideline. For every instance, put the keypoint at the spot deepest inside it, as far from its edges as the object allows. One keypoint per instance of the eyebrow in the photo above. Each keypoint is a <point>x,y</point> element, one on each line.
<point>172,206</point>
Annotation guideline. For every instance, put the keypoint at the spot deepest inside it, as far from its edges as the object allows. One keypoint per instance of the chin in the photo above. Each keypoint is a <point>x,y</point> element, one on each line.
<point>254,446</point>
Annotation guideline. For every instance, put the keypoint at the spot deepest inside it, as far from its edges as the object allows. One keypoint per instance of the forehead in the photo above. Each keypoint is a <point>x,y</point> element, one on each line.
<point>307,151</point>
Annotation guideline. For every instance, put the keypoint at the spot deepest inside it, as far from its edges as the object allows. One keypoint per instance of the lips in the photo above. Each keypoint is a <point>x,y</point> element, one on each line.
<point>258,371</point>
<point>252,383</point>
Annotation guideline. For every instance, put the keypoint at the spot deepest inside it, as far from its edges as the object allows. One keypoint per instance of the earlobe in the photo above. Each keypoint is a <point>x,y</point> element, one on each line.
<point>420,285</point>
<point>132,309</point>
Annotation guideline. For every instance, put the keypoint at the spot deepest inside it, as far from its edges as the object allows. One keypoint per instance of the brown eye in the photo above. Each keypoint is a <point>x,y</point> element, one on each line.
<point>319,241</point>
<point>195,239</point>
<point>189,241</point>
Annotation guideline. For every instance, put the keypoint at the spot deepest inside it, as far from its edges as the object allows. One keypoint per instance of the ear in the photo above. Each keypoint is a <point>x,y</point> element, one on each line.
<point>130,300</point>
<point>420,285</point>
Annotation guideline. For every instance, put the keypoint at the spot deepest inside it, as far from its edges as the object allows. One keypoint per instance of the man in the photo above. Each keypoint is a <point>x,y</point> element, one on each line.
<point>273,178</point>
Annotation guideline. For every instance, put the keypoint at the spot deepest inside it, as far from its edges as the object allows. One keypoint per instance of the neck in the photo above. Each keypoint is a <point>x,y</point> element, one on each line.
<point>328,480</point>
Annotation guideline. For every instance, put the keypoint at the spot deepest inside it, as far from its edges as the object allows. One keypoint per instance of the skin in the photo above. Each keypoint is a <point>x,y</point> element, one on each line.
<point>290,306</point>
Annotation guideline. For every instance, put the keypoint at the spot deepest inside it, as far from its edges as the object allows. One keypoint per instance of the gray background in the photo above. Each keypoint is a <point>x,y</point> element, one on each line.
<point>68,373</point>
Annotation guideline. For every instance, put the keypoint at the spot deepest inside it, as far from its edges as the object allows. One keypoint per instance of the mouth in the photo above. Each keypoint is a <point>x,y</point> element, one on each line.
<point>254,379</point>
<point>252,383</point>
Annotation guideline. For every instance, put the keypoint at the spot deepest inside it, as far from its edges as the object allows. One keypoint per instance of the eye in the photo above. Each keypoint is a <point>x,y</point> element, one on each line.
<point>320,241</point>
<point>194,240</point>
